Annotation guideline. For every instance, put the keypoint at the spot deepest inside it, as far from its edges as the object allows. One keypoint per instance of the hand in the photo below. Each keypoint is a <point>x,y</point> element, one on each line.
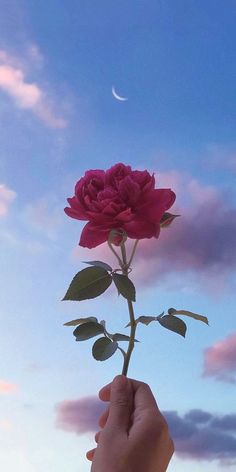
<point>135,435</point>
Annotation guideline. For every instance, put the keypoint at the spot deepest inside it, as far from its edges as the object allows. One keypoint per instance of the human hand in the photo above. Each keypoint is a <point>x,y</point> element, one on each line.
<point>134,435</point>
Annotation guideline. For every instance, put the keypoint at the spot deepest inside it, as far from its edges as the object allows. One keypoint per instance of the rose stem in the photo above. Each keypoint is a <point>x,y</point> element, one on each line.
<point>125,268</point>
<point>114,252</point>
<point>133,252</point>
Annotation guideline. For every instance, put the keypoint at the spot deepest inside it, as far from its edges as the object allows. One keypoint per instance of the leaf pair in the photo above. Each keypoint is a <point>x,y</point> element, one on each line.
<point>89,327</point>
<point>171,321</point>
<point>104,347</point>
<point>93,281</point>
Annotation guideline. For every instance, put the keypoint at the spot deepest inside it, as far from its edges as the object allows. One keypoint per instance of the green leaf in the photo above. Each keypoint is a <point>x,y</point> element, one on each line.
<point>124,286</point>
<point>122,337</point>
<point>104,265</point>
<point>87,331</point>
<point>195,316</point>
<point>88,283</point>
<point>81,321</point>
<point>143,319</point>
<point>173,324</point>
<point>104,348</point>
<point>167,219</point>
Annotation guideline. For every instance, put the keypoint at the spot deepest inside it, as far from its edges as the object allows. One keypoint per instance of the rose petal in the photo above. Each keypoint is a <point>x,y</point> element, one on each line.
<point>156,203</point>
<point>116,173</point>
<point>97,175</point>
<point>78,210</point>
<point>145,181</point>
<point>140,229</point>
<point>125,215</point>
<point>93,236</point>
<point>129,191</point>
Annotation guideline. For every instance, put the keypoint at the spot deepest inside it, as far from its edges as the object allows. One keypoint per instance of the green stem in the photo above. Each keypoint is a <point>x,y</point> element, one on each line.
<point>114,252</point>
<point>122,350</point>
<point>125,268</point>
<point>133,252</point>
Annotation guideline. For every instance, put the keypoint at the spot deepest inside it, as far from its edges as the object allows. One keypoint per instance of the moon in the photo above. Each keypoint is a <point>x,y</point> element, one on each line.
<point>118,97</point>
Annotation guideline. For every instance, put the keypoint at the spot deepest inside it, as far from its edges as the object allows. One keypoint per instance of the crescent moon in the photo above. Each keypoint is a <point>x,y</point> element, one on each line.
<point>118,97</point>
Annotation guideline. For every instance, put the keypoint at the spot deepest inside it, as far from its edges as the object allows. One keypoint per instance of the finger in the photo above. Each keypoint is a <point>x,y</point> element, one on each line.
<point>104,393</point>
<point>121,404</point>
<point>142,394</point>
<point>144,399</point>
<point>90,454</point>
<point>103,418</point>
<point>97,435</point>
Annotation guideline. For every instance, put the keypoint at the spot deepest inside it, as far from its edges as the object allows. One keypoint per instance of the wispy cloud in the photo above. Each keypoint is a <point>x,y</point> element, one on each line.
<point>35,55</point>
<point>44,215</point>
<point>25,94</point>
<point>7,388</point>
<point>32,225</point>
<point>198,434</point>
<point>220,360</point>
<point>6,425</point>
<point>7,196</point>
<point>22,243</point>
<point>218,157</point>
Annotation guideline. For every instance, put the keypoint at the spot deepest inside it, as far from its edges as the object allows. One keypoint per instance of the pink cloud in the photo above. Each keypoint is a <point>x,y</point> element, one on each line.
<point>27,95</point>
<point>220,360</point>
<point>7,388</point>
<point>12,81</point>
<point>6,198</point>
<point>199,244</point>
<point>79,416</point>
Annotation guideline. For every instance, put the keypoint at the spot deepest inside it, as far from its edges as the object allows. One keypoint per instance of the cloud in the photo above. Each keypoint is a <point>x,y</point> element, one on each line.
<point>22,243</point>
<point>199,244</point>
<point>7,388</point>
<point>38,219</point>
<point>198,434</point>
<point>27,95</point>
<point>212,439</point>
<point>219,157</point>
<point>6,198</point>
<point>220,360</point>
<point>35,55</point>
<point>79,416</point>
<point>44,215</point>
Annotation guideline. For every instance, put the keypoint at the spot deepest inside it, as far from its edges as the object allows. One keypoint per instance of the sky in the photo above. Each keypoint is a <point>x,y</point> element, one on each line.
<point>174,61</point>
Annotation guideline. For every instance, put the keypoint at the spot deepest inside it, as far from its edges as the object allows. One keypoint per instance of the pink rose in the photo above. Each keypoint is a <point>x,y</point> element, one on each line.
<point>119,198</point>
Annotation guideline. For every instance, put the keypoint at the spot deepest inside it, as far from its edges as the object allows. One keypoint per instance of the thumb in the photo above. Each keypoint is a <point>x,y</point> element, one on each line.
<point>121,403</point>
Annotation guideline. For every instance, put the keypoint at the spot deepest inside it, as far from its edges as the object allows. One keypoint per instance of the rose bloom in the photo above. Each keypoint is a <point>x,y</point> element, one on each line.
<point>119,198</point>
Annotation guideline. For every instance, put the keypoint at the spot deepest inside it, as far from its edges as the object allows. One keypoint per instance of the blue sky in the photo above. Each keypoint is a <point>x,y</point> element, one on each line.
<point>174,61</point>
